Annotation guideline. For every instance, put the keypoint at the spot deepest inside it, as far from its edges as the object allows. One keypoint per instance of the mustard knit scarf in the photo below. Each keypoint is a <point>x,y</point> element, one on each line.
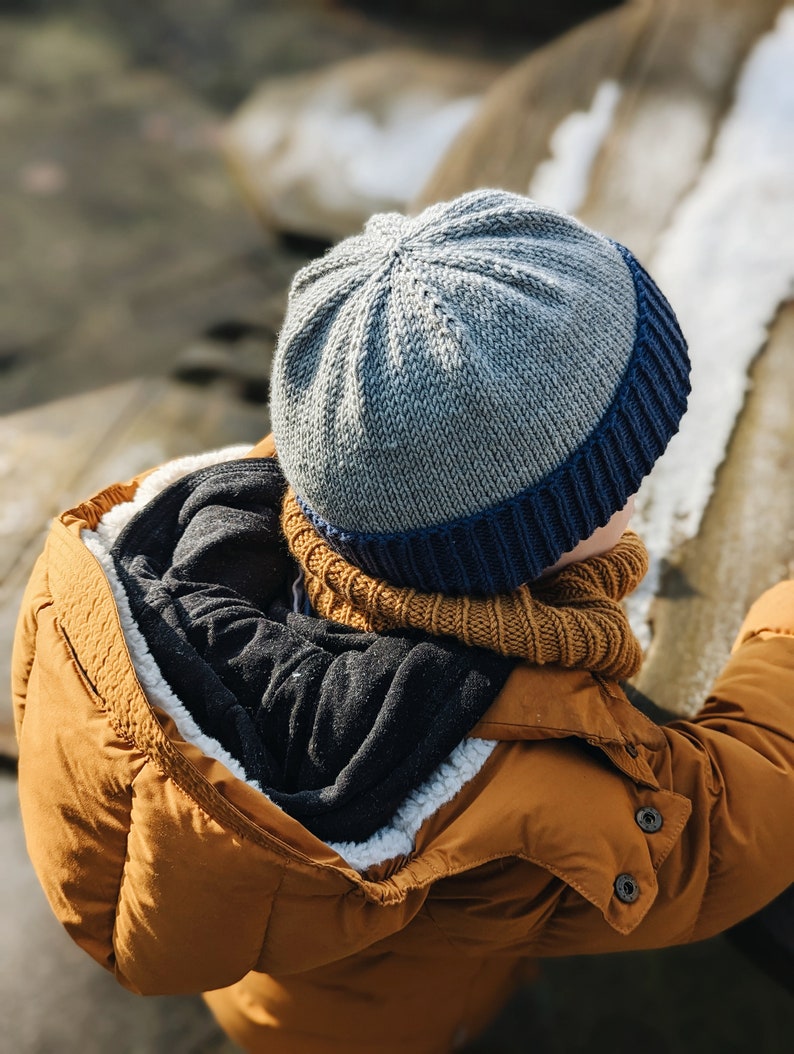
<point>572,618</point>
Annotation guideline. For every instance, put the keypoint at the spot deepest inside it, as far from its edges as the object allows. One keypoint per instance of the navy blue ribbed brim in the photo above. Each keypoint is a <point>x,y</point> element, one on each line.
<point>499,548</point>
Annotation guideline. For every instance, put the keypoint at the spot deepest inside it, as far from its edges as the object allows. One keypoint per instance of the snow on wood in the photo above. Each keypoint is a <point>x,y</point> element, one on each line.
<point>561,180</point>
<point>318,153</point>
<point>384,161</point>
<point>726,265</point>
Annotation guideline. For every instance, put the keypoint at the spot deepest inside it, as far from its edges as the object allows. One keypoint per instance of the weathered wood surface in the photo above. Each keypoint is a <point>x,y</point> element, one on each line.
<point>676,89</point>
<point>676,62</point>
<point>55,455</point>
<point>744,544</point>
<point>509,135</point>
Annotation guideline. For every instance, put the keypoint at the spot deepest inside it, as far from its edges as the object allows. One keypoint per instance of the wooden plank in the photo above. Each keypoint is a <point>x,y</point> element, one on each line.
<point>57,454</point>
<point>509,135</point>
<point>676,62</point>
<point>44,453</point>
<point>676,88</point>
<point>744,544</point>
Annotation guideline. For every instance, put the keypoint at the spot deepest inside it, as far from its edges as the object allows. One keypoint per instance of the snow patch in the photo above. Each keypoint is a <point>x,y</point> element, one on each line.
<point>561,181</point>
<point>346,154</point>
<point>394,161</point>
<point>726,265</point>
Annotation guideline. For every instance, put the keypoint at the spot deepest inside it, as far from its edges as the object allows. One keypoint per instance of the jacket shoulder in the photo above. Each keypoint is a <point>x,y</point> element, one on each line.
<point>635,840</point>
<point>168,870</point>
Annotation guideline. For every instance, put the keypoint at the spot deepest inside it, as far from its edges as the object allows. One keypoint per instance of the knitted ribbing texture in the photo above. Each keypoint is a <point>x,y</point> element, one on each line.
<point>572,618</point>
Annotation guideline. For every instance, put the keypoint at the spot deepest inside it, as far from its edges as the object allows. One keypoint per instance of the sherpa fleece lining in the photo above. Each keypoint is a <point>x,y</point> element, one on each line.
<point>394,839</point>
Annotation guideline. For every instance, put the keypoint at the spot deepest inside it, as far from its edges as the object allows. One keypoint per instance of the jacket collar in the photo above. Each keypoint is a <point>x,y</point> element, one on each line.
<point>549,702</point>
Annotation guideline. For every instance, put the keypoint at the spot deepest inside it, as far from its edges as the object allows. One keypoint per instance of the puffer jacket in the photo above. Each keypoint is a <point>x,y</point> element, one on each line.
<point>587,829</point>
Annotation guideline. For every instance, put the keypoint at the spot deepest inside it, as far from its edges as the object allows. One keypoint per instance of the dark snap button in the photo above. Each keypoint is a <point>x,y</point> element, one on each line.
<point>627,888</point>
<point>631,750</point>
<point>649,819</point>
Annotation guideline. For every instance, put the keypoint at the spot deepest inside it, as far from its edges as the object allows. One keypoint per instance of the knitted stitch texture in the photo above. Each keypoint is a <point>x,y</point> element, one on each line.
<point>572,618</point>
<point>460,397</point>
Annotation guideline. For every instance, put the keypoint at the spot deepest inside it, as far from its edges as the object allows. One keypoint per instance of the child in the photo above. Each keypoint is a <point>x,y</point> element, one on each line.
<point>349,771</point>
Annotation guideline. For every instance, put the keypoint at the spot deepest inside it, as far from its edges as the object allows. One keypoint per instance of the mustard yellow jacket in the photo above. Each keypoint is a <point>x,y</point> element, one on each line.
<point>588,829</point>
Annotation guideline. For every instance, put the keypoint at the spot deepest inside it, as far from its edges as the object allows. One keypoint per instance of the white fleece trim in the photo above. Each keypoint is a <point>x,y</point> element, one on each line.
<point>397,839</point>
<point>100,541</point>
<point>394,839</point>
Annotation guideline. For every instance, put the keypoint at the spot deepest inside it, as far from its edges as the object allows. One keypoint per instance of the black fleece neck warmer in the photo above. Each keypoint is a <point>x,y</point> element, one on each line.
<point>336,725</point>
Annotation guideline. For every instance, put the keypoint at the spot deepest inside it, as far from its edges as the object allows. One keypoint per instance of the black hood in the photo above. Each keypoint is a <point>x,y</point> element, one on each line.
<point>337,726</point>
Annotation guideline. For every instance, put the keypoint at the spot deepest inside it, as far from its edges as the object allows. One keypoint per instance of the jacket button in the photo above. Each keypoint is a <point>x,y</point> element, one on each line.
<point>627,888</point>
<point>631,750</point>
<point>648,819</point>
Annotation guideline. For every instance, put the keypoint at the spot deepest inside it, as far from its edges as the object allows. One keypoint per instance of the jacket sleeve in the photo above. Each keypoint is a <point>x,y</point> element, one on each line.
<point>734,761</point>
<point>150,871</point>
<point>743,741</point>
<point>732,768</point>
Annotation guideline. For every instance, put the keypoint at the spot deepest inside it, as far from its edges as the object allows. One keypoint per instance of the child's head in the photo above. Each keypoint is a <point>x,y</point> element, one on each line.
<point>460,398</point>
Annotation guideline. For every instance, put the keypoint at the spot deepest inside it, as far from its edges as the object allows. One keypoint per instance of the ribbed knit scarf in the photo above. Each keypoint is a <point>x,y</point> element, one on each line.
<point>573,618</point>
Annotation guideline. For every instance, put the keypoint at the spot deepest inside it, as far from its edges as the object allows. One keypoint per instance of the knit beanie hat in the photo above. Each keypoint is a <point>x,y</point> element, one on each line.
<point>460,397</point>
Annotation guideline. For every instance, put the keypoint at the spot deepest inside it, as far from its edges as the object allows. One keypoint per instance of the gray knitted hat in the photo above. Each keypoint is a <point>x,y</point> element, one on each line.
<point>460,397</point>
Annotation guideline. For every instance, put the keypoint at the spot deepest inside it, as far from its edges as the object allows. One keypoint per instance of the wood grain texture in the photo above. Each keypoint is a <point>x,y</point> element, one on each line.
<point>676,62</point>
<point>677,86</point>
<point>509,135</point>
<point>745,544</point>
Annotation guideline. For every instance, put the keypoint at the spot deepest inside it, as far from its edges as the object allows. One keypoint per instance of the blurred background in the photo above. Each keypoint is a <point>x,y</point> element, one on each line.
<point>167,166</point>
<point>130,239</point>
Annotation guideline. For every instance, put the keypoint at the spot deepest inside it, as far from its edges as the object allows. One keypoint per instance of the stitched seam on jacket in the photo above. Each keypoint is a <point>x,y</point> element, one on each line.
<point>83,675</point>
<point>428,914</point>
<point>45,601</point>
<point>273,901</point>
<point>691,933</point>
<point>673,834</point>
<point>112,718</point>
<point>712,790</point>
